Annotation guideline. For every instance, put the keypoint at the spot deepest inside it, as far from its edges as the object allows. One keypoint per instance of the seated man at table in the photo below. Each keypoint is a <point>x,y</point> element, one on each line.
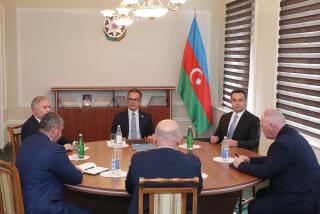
<point>164,162</point>
<point>40,106</point>
<point>239,126</point>
<point>134,123</point>
<point>291,166</point>
<point>44,167</point>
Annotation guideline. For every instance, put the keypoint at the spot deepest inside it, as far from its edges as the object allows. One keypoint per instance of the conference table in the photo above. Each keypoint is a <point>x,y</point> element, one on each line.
<point>221,188</point>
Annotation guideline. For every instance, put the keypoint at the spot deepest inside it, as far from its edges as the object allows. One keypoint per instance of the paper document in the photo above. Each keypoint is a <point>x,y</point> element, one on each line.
<point>142,147</point>
<point>91,168</point>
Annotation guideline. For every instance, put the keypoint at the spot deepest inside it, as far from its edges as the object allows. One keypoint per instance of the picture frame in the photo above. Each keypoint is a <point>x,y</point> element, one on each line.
<point>86,100</point>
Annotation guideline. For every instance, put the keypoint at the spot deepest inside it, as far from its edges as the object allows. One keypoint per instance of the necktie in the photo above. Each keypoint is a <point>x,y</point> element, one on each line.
<point>232,127</point>
<point>133,126</point>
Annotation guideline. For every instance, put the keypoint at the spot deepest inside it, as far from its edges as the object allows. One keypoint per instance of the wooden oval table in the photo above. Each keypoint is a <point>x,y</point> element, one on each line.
<point>221,188</point>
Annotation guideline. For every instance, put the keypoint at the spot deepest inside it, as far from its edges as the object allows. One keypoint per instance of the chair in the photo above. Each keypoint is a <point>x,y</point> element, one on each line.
<point>242,202</point>
<point>11,200</point>
<point>161,197</point>
<point>15,135</point>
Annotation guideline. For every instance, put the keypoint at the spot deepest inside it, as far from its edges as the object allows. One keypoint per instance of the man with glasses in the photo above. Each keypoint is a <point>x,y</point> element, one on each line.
<point>134,123</point>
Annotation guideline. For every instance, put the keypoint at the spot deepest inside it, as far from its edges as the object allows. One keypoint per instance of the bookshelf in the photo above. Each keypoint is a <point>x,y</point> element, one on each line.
<point>94,121</point>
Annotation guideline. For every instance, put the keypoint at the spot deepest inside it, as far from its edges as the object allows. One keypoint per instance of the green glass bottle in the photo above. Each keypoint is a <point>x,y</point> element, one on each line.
<point>189,139</point>
<point>81,147</point>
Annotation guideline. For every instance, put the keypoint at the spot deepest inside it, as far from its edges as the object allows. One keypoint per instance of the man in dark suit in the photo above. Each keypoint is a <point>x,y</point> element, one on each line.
<point>164,162</point>
<point>134,123</point>
<point>44,167</point>
<point>239,126</point>
<point>40,106</point>
<point>291,166</point>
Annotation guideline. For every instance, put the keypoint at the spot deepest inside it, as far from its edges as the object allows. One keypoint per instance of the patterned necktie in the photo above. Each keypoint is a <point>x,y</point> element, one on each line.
<point>133,126</point>
<point>232,127</point>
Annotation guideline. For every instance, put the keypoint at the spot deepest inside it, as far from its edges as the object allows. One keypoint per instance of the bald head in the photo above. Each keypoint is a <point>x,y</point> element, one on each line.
<point>167,133</point>
<point>272,122</point>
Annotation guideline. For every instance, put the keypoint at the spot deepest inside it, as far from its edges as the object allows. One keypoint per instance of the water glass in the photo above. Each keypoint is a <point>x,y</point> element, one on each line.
<point>113,139</point>
<point>75,148</point>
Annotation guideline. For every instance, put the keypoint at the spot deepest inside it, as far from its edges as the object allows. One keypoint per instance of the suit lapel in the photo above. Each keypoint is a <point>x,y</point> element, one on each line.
<point>126,122</point>
<point>35,122</point>
<point>228,118</point>
<point>141,117</point>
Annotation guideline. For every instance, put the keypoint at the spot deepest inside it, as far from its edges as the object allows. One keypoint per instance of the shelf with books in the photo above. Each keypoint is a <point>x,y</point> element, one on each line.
<point>90,110</point>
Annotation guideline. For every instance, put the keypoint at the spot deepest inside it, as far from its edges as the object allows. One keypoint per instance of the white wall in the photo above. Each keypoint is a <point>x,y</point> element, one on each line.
<point>55,43</point>
<point>68,48</point>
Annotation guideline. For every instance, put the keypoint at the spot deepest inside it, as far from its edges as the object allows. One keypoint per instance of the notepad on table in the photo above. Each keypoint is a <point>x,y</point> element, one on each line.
<point>91,168</point>
<point>142,147</point>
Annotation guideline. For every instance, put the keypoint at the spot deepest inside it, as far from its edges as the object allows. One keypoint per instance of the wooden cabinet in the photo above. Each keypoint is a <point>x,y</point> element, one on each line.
<point>95,122</point>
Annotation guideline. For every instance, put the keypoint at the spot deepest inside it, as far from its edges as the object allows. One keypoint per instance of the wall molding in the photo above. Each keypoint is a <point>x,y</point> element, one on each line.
<point>3,93</point>
<point>181,119</point>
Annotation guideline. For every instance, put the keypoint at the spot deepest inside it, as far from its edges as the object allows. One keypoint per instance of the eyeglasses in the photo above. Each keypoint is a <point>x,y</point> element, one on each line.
<point>134,99</point>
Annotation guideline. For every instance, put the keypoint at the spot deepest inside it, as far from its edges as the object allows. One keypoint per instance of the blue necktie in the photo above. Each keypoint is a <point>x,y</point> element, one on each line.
<point>232,127</point>
<point>133,126</point>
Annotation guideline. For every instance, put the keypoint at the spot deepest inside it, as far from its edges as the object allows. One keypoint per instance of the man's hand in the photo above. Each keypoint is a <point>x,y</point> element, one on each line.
<point>68,146</point>
<point>214,139</point>
<point>232,142</point>
<point>151,139</point>
<point>238,160</point>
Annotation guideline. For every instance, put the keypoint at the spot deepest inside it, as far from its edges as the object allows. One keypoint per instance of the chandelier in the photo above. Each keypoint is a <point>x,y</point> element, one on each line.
<point>130,10</point>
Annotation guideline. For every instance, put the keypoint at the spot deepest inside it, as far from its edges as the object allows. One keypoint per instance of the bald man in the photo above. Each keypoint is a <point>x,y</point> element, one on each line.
<point>164,162</point>
<point>40,105</point>
<point>291,166</point>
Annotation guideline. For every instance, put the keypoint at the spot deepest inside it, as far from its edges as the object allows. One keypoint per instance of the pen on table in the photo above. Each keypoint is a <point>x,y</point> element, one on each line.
<point>91,167</point>
<point>236,154</point>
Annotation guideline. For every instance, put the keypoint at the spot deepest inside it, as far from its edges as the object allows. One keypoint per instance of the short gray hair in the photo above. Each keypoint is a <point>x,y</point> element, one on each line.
<point>274,116</point>
<point>49,121</point>
<point>35,102</point>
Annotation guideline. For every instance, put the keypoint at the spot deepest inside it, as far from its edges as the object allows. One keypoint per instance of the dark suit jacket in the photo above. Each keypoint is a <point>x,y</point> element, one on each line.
<point>294,174</point>
<point>122,119</point>
<point>44,167</point>
<point>247,132</point>
<point>160,163</point>
<point>31,126</point>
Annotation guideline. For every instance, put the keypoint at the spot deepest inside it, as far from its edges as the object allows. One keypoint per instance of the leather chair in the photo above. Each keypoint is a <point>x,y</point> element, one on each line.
<point>11,200</point>
<point>15,135</point>
<point>168,199</point>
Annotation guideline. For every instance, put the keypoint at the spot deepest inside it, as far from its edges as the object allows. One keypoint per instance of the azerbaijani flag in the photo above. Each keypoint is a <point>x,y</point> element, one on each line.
<point>194,81</point>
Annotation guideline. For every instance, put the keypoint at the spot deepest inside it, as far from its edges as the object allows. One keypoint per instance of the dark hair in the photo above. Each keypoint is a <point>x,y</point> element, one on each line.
<point>134,90</point>
<point>49,121</point>
<point>239,91</point>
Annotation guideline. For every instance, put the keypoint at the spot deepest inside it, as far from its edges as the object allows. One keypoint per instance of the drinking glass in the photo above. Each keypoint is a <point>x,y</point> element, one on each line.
<point>75,148</point>
<point>113,139</point>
